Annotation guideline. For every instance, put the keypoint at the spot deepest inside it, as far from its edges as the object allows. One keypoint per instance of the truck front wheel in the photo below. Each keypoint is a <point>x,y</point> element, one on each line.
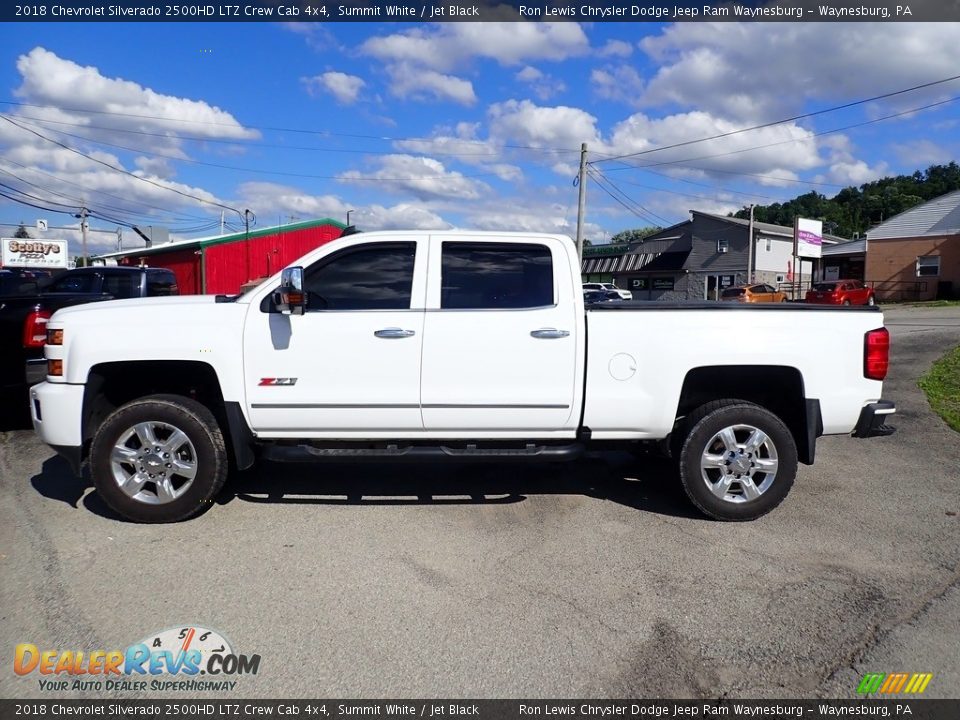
<point>158,459</point>
<point>738,460</point>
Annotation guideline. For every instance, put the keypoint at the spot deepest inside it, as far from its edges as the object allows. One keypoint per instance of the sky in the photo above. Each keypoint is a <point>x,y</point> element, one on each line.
<point>456,125</point>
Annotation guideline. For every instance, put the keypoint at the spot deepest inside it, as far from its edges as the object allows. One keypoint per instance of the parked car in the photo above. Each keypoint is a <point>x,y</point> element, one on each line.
<point>24,314</point>
<point>494,357</point>
<point>595,296</point>
<point>841,292</point>
<point>759,293</point>
<point>609,287</point>
<point>17,281</point>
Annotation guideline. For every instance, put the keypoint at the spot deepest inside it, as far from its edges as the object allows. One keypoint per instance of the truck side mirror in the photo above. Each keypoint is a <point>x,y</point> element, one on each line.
<point>289,297</point>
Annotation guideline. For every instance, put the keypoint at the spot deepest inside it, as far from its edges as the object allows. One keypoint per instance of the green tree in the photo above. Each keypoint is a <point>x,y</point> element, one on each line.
<point>856,210</point>
<point>21,233</point>
<point>629,236</point>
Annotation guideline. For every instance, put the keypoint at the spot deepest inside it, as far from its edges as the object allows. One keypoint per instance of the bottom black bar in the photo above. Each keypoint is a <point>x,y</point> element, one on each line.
<point>903,707</point>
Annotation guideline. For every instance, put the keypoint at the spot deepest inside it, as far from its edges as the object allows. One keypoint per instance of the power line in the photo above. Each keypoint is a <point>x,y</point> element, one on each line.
<point>627,166</point>
<point>119,170</point>
<point>329,133</point>
<point>282,146</point>
<point>280,173</point>
<point>623,199</point>
<point>82,202</point>
<point>183,216</point>
<point>781,122</point>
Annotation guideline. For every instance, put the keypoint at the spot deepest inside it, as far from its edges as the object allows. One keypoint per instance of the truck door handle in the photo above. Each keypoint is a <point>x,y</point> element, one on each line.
<point>549,333</point>
<point>394,332</point>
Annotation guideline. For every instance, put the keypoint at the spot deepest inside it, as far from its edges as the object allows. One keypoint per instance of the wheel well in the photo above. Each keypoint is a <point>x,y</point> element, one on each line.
<point>110,385</point>
<point>777,388</point>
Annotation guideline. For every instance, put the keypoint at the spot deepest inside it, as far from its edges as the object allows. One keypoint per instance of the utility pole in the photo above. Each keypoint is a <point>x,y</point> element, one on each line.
<point>582,202</point>
<point>246,238</point>
<point>750,248</point>
<point>83,231</point>
<point>222,222</point>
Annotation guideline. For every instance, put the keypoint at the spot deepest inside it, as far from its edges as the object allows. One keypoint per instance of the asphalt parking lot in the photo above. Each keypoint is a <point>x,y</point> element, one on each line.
<point>590,580</point>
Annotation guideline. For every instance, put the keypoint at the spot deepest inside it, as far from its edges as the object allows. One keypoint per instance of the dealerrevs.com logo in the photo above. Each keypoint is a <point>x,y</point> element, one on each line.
<point>179,659</point>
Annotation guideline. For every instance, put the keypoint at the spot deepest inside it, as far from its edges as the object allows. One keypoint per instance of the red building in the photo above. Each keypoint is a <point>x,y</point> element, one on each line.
<point>224,263</point>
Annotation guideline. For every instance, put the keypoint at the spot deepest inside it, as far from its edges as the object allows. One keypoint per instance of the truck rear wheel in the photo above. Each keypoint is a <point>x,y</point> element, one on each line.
<point>158,459</point>
<point>738,460</point>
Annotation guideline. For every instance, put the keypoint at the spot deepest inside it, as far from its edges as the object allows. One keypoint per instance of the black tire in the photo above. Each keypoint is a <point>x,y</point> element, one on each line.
<point>206,444</point>
<point>702,426</point>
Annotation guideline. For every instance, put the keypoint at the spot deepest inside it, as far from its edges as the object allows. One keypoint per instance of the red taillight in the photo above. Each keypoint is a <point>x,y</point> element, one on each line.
<point>35,329</point>
<point>876,354</point>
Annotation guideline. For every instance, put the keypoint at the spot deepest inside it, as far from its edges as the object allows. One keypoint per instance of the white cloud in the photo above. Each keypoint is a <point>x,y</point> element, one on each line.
<point>446,46</point>
<point>760,71</point>
<point>525,123</point>
<point>52,80</point>
<point>422,177</point>
<point>156,166</point>
<point>273,199</point>
<point>919,153</point>
<point>345,88</point>
<point>616,48</point>
<point>540,84</point>
<point>409,81</point>
<point>791,147</point>
<point>622,84</point>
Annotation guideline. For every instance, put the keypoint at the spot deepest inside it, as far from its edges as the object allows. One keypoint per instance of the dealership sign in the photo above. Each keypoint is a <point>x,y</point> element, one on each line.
<point>27,253</point>
<point>808,237</point>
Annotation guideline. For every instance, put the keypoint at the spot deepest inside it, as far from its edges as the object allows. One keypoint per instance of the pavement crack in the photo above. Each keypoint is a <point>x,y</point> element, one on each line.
<point>879,630</point>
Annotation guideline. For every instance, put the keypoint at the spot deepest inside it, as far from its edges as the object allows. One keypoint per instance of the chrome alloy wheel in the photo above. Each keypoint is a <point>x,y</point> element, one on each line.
<point>739,463</point>
<point>154,462</point>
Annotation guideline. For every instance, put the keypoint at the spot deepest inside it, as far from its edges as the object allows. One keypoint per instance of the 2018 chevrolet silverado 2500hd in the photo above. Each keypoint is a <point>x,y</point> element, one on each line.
<point>472,346</point>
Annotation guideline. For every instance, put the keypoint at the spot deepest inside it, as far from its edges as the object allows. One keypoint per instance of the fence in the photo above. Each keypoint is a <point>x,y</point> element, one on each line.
<point>885,290</point>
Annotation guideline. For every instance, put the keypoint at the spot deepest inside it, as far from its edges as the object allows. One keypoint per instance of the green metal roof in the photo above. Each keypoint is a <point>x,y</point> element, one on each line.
<point>220,239</point>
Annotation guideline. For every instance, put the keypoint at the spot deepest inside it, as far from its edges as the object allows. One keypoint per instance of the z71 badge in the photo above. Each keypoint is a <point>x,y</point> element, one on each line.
<point>278,381</point>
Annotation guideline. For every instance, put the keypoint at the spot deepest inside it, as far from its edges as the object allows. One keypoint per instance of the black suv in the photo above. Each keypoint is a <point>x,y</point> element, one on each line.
<point>117,282</point>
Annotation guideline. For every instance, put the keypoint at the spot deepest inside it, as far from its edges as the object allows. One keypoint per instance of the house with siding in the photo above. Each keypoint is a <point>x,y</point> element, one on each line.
<point>916,254</point>
<point>697,258</point>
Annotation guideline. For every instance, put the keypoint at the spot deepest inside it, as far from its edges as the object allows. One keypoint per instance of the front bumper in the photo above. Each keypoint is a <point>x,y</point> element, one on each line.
<point>872,422</point>
<point>56,410</point>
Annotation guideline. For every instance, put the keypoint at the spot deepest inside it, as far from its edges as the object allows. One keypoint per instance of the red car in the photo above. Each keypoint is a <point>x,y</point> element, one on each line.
<point>841,292</point>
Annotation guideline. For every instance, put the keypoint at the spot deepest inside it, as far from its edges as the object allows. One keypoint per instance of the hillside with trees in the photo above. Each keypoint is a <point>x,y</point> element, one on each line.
<point>856,210</point>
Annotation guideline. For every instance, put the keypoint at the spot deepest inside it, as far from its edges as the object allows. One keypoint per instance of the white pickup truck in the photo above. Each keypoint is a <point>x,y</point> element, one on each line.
<point>469,346</point>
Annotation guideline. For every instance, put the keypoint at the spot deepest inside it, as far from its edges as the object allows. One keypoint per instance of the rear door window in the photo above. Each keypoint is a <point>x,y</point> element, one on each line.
<point>122,285</point>
<point>87,282</point>
<point>161,283</point>
<point>495,276</point>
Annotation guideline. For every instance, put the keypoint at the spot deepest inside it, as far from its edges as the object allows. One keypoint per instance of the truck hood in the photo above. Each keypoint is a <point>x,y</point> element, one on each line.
<point>177,303</point>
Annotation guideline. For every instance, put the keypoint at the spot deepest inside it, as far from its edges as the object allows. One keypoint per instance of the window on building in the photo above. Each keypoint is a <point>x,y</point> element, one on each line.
<point>483,276</point>
<point>368,277</point>
<point>723,245</point>
<point>769,244</point>
<point>928,265</point>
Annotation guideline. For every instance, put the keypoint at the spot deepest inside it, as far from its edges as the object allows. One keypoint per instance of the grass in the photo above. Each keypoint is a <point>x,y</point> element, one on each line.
<point>942,387</point>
